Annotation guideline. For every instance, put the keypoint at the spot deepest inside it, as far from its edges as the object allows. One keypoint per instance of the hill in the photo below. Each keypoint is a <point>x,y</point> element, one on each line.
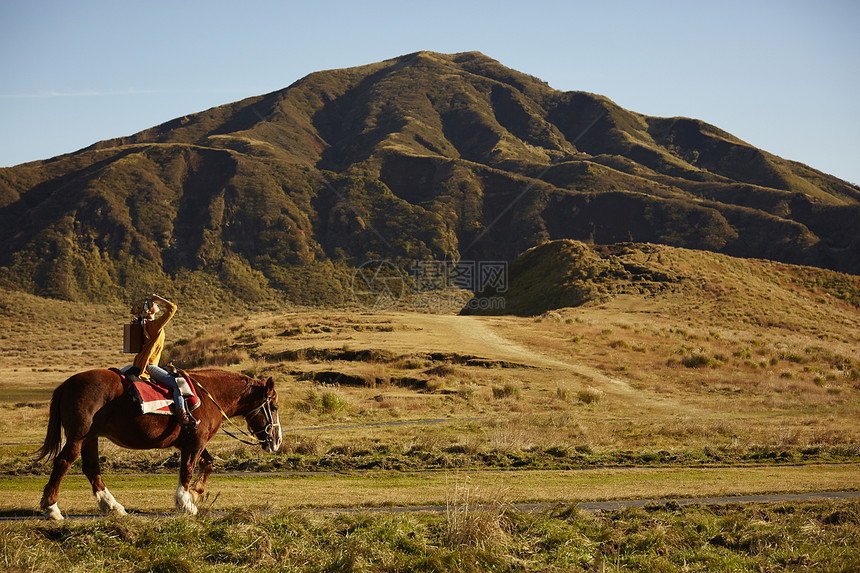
<point>567,273</point>
<point>423,157</point>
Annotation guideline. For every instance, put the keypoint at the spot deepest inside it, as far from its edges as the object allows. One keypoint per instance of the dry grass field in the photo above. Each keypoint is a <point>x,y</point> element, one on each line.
<point>751,367</point>
<point>747,382</point>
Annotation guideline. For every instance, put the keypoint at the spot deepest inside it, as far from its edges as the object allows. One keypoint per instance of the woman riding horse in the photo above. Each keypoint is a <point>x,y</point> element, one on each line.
<point>93,404</point>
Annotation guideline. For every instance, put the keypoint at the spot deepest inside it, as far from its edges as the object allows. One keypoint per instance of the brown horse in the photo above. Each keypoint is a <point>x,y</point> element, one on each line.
<point>93,404</point>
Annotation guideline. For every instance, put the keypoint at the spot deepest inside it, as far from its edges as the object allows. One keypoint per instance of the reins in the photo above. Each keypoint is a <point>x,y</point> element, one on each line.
<point>265,406</point>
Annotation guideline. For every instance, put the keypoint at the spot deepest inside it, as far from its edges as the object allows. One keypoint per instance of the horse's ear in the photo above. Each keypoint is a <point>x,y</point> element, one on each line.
<point>270,384</point>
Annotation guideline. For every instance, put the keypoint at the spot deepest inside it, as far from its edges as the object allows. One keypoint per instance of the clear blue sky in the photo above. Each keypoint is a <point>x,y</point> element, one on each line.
<point>781,75</point>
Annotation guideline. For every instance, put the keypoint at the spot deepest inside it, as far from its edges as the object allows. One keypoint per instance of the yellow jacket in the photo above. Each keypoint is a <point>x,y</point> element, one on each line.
<point>153,344</point>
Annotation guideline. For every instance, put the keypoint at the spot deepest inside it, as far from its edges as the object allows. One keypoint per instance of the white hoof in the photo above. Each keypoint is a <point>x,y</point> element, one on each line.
<point>53,513</point>
<point>107,503</point>
<point>185,501</point>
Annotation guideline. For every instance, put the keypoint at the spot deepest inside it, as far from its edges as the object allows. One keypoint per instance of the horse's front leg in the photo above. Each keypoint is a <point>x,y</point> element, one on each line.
<point>92,469</point>
<point>184,498</point>
<point>206,464</point>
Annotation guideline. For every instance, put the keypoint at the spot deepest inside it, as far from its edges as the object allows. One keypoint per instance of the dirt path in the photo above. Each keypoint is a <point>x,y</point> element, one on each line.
<point>475,327</point>
<point>476,335</point>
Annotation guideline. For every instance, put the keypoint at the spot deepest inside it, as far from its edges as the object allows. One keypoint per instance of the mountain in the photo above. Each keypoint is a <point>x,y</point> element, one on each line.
<point>423,157</point>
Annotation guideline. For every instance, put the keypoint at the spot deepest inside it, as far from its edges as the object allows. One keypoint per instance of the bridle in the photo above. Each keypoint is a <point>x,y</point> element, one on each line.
<point>269,429</point>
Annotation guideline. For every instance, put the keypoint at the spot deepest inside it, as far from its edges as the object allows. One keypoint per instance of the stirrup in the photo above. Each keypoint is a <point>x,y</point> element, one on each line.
<point>192,422</point>
<point>185,419</point>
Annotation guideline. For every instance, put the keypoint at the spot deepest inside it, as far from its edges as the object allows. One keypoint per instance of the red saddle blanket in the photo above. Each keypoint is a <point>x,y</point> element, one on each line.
<point>153,398</point>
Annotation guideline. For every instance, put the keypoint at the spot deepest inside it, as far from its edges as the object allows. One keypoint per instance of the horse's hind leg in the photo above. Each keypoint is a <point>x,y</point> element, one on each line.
<point>92,469</point>
<point>62,463</point>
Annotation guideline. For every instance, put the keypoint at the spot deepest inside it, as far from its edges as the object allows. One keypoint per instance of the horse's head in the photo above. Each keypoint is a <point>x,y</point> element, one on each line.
<point>263,420</point>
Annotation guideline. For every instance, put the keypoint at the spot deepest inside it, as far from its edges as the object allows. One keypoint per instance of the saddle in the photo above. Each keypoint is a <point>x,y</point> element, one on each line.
<point>153,398</point>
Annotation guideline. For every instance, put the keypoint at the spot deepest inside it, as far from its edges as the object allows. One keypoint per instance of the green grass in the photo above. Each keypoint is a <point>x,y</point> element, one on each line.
<point>506,451</point>
<point>820,536</point>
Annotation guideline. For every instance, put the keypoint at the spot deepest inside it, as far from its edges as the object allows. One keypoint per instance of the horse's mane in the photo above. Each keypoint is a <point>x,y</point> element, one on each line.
<point>206,376</point>
<point>216,373</point>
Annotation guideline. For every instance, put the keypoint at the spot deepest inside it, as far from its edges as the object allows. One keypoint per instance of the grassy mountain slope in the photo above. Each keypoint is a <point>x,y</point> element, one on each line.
<point>426,156</point>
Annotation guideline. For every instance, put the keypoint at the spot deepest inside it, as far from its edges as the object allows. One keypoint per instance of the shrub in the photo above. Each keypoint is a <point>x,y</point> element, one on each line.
<point>212,350</point>
<point>509,390</point>
<point>699,360</point>
<point>327,402</point>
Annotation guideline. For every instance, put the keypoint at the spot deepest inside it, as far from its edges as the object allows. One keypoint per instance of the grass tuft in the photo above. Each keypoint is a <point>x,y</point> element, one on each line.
<point>590,395</point>
<point>475,519</point>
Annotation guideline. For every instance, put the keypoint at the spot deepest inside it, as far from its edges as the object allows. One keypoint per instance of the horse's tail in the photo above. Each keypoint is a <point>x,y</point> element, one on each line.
<point>51,446</point>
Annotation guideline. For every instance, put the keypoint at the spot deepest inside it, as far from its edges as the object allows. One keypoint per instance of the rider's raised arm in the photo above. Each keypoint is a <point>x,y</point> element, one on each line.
<point>169,311</point>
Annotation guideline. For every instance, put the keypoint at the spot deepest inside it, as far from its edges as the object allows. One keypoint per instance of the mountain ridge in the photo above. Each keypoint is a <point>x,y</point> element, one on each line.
<point>425,156</point>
